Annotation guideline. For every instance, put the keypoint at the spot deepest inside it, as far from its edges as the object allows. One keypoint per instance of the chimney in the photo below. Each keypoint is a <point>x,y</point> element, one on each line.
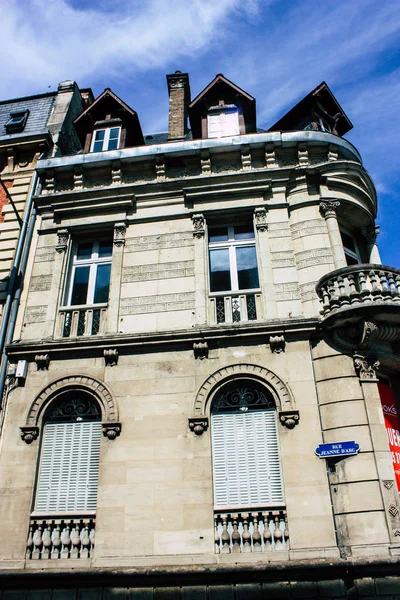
<point>179,99</point>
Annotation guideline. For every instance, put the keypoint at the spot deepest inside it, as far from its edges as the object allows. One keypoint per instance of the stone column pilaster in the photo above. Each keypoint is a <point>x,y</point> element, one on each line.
<point>328,209</point>
<point>115,278</point>
<point>200,268</point>
<point>370,234</point>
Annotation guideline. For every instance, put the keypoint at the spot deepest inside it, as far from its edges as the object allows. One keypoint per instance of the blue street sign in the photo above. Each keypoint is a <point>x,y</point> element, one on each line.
<point>337,449</point>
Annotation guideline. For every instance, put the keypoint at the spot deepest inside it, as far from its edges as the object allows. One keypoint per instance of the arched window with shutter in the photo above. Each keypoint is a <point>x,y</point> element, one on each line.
<point>245,447</point>
<point>70,453</point>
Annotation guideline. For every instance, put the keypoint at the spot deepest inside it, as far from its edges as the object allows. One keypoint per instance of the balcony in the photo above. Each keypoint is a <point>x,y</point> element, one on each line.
<point>60,537</point>
<point>82,320</point>
<point>354,292</point>
<point>251,531</point>
<point>234,307</point>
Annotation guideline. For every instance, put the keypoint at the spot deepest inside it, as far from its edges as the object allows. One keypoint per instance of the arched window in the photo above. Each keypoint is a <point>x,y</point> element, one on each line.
<point>69,461</point>
<point>246,461</point>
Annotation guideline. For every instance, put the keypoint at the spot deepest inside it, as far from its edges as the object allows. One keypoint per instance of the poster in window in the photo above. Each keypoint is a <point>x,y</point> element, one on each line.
<point>392,423</point>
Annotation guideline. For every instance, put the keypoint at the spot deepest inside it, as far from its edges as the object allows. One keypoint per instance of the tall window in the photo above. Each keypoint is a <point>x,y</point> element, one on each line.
<point>350,248</point>
<point>106,139</point>
<point>246,461</point>
<point>223,121</point>
<point>89,280</point>
<point>70,453</point>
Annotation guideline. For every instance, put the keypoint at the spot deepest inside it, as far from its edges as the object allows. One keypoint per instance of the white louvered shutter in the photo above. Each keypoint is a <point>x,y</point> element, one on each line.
<point>246,462</point>
<point>69,467</point>
<point>230,123</point>
<point>214,124</point>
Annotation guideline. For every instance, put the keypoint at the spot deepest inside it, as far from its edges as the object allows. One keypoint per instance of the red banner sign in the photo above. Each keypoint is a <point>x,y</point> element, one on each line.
<point>392,422</point>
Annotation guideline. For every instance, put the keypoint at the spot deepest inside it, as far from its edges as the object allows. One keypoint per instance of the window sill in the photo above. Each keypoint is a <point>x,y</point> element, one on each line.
<point>83,306</point>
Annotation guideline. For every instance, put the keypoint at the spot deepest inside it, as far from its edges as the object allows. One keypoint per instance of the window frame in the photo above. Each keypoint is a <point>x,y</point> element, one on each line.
<point>355,255</point>
<point>93,262</point>
<point>231,245</point>
<point>17,121</point>
<point>106,141</point>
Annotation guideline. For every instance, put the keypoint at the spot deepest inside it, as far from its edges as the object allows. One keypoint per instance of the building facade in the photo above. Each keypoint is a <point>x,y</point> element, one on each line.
<point>202,310</point>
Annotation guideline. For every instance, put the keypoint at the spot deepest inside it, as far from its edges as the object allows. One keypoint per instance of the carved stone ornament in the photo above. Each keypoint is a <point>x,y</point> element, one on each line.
<point>29,434</point>
<point>42,362</point>
<point>388,483</point>
<point>111,430</point>
<point>277,343</point>
<point>198,425</point>
<point>328,208</point>
<point>119,234</point>
<point>199,226</point>
<point>289,418</point>
<point>365,368</point>
<point>200,350</point>
<point>63,237</point>
<point>393,510</point>
<point>370,233</point>
<point>111,357</point>
<point>260,218</point>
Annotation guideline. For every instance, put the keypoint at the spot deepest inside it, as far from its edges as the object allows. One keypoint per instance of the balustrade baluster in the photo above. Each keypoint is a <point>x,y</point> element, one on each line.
<point>376,290</point>
<point>384,285</point>
<point>85,541</point>
<point>216,536</point>
<point>235,536</point>
<point>333,299</point>
<point>46,542</point>
<point>256,535</point>
<point>56,540</point>
<point>286,534</point>
<point>397,288</point>
<point>392,285</point>
<point>37,542</point>
<point>343,297</point>
<point>246,535</point>
<point>364,291</point>
<point>225,537</point>
<point>325,300</point>
<point>66,542</point>
<point>92,538</point>
<point>354,293</point>
<point>278,535</point>
<point>75,541</point>
<point>29,543</point>
<point>267,534</point>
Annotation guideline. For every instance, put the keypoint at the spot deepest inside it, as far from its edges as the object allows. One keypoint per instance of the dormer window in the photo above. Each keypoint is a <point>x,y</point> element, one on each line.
<point>17,121</point>
<point>106,139</point>
<point>222,121</point>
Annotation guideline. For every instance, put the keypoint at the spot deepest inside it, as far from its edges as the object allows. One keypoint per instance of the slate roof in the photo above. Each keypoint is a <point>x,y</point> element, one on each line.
<point>39,111</point>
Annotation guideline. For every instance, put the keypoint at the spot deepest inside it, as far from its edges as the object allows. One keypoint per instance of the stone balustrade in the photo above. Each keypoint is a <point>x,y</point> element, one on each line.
<point>60,537</point>
<point>81,321</point>
<point>255,531</point>
<point>358,285</point>
<point>234,307</point>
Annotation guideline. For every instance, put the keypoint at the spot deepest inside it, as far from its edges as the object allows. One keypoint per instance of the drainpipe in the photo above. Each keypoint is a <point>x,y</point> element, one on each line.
<point>16,283</point>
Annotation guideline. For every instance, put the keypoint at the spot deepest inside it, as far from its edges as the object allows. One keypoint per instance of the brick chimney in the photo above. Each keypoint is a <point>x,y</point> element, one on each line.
<point>179,99</point>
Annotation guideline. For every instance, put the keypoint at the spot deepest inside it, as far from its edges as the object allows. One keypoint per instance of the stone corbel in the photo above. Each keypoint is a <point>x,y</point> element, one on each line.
<point>199,226</point>
<point>29,434</point>
<point>277,343</point>
<point>260,218</point>
<point>63,237</point>
<point>198,425</point>
<point>245,155</point>
<point>289,418</point>
<point>119,234</point>
<point>160,168</point>
<point>370,234</point>
<point>365,367</point>
<point>111,430</point>
<point>205,162</point>
<point>200,350</point>
<point>111,357</point>
<point>42,362</point>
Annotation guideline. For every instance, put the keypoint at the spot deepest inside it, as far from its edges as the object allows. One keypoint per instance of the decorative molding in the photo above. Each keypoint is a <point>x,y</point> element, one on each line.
<point>111,430</point>
<point>42,362</point>
<point>84,383</point>
<point>119,234</point>
<point>388,483</point>
<point>111,357</point>
<point>245,155</point>
<point>289,418</point>
<point>270,157</point>
<point>365,368</point>
<point>49,182</point>
<point>393,510</point>
<point>160,167</point>
<point>29,434</point>
<point>205,162</point>
<point>282,395</point>
<point>199,226</point>
<point>78,178</point>
<point>198,425</point>
<point>277,343</point>
<point>63,237</point>
<point>200,350</point>
<point>328,208</point>
<point>260,218</point>
<point>116,173</point>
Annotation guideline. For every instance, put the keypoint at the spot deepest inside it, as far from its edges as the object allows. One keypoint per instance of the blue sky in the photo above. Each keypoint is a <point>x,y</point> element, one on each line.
<point>277,50</point>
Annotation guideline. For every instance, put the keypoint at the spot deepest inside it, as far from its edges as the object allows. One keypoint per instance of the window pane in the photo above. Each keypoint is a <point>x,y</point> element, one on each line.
<point>348,242</point>
<point>99,135</point>
<point>102,283</point>
<point>84,251</point>
<point>244,232</point>
<point>114,133</point>
<point>105,249</point>
<point>220,276</point>
<point>351,260</point>
<point>247,268</point>
<point>112,145</point>
<point>80,285</point>
<point>219,234</point>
